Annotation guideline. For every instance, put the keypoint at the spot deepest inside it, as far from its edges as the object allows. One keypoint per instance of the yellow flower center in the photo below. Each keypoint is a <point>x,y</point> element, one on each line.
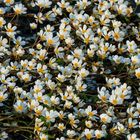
<point>130,125</point>
<point>41,57</point>
<point>104,119</point>
<point>122,96</point>
<point>103,98</point>
<point>10,30</point>
<point>105,48</point>
<point>106,37</point>
<point>50,41</point>
<point>138,74</point>
<point>87,40</point>
<point>20,108</point>
<point>88,136</point>
<point>1,98</point>
<point>61,116</point>
<point>39,98</point>
<point>114,102</point>
<point>116,36</point>
<point>45,102</point>
<point>38,112</point>
<point>18,11</point>
<point>132,138</point>
<point>37,128</point>
<point>98,136</point>
<point>8,1</point>
<point>90,114</point>
<point>40,70</point>
<point>1,23</point>
<point>48,118</point>
<point>61,127</point>
<point>64,97</point>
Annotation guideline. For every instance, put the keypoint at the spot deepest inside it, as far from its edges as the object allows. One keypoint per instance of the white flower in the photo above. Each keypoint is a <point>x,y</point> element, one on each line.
<point>63,4</point>
<point>3,42</point>
<point>43,136</point>
<point>4,70</point>
<point>50,115</point>
<point>132,112</point>
<point>82,4</point>
<point>38,110</point>
<point>61,77</point>
<point>103,94</point>
<point>113,82</point>
<point>52,63</point>
<point>132,123</point>
<point>83,72</point>
<point>2,10</point>
<point>51,84</point>
<point>132,46</point>
<point>50,16</point>
<point>78,53</point>
<point>122,93</point>
<point>115,100</point>
<point>52,41</point>
<point>10,31</point>
<point>20,106</point>
<point>3,96</point>
<point>3,135</point>
<point>33,104</point>
<point>117,59</point>
<point>62,138</point>
<point>116,24</point>
<point>71,133</point>
<point>88,133</point>
<point>80,86</point>
<point>19,9</point>
<point>135,59</point>
<point>61,126</point>
<point>65,96</point>
<point>90,113</point>
<point>33,25</point>
<point>88,124</point>
<point>137,73</point>
<point>55,100</point>
<point>118,35</point>
<point>137,2</point>
<point>2,22</point>
<point>19,41</point>
<point>9,2</point>
<point>104,5</point>
<point>41,69</point>
<point>38,97</point>
<point>39,18</point>
<point>68,104</point>
<point>132,137</point>
<point>87,38</point>
<point>105,118</point>
<point>43,3</point>
<point>99,134</point>
<point>42,54</point>
<point>69,41</point>
<point>90,52</point>
<point>57,11</point>
<point>121,8</point>
<point>76,63</point>
<point>121,127</point>
<point>49,28</point>
<point>26,77</point>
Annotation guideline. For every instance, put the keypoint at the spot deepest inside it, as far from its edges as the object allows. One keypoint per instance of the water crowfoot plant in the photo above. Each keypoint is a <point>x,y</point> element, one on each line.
<point>69,70</point>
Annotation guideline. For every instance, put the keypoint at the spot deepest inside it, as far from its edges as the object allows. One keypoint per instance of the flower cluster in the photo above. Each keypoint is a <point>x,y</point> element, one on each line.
<point>74,66</point>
